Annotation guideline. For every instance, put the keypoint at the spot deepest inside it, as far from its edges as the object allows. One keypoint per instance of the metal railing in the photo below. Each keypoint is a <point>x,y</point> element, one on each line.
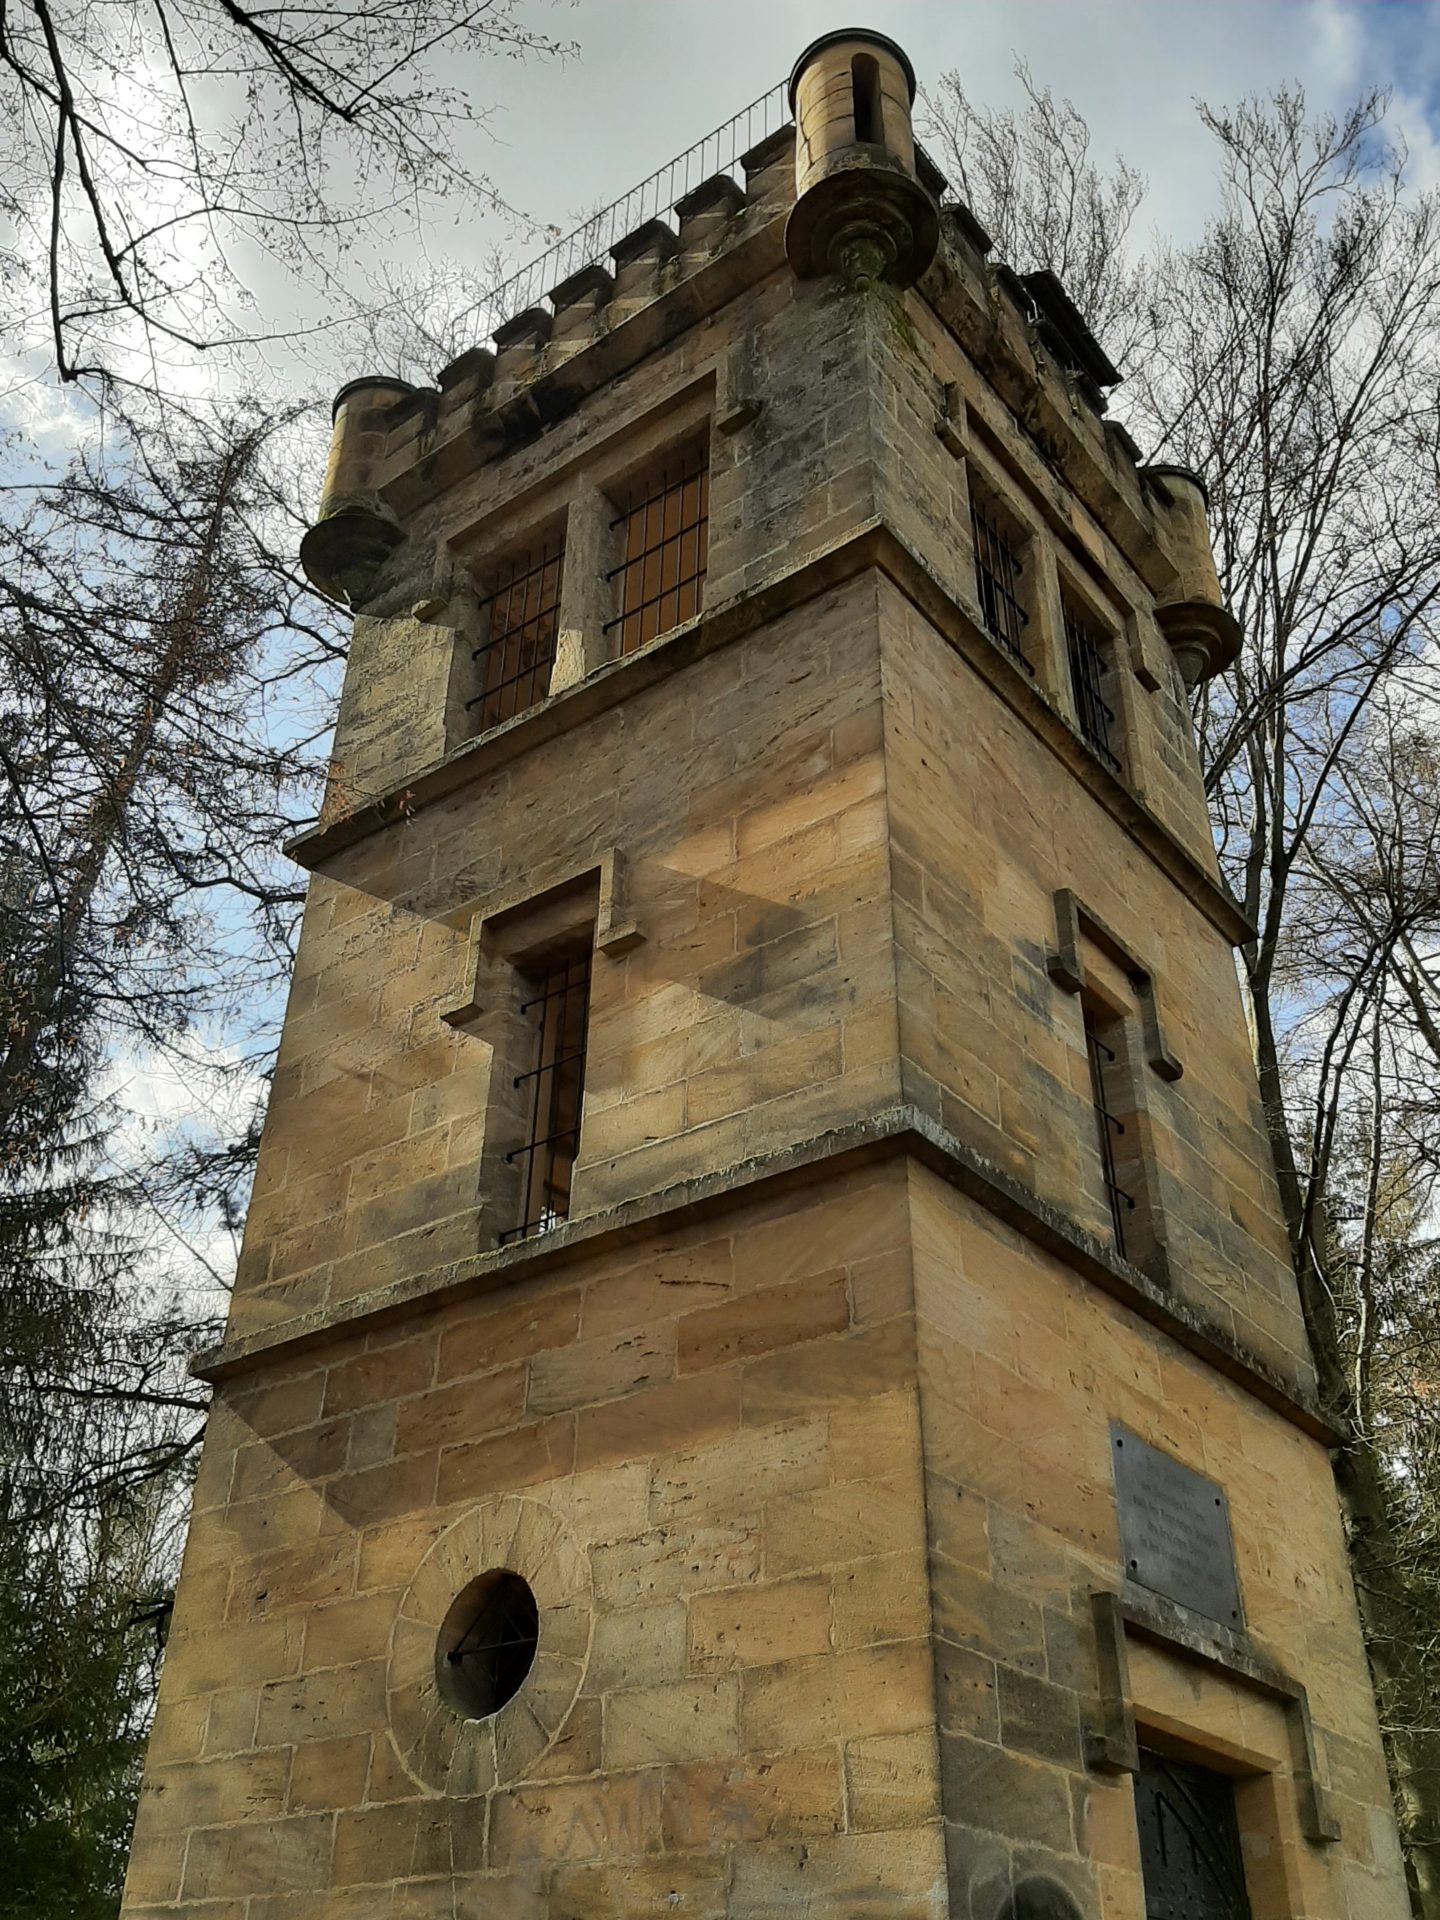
<point>590,243</point>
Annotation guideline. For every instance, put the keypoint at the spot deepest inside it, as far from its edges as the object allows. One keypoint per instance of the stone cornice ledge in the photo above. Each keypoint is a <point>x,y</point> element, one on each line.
<point>872,545</point>
<point>896,1131</point>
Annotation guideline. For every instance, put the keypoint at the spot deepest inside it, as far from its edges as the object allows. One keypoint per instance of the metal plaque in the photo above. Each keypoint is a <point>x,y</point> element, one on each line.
<point>1174,1529</point>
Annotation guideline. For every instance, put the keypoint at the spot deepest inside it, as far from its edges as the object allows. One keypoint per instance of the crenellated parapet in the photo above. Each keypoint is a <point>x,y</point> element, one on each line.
<point>810,199</point>
<point>596,323</point>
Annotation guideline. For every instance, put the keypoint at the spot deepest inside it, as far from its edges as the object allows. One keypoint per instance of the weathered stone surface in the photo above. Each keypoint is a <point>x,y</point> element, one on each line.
<point>799,1429</point>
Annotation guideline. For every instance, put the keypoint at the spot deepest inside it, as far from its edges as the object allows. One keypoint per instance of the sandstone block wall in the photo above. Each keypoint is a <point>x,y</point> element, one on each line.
<point>748,798</point>
<point>923,487</point>
<point>782,806</point>
<point>797,1426</point>
<point>981,838</point>
<point>830,1478</point>
<point>776,827</point>
<point>1021,1368</point>
<point>722,1429</point>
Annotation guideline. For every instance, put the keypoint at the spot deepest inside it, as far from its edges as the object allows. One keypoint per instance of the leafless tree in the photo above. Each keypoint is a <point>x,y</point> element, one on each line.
<point>150,643</point>
<point>1354,982</point>
<point>1030,178</point>
<point>1302,377</point>
<point>149,149</point>
<point>419,321</point>
<point>165,681</point>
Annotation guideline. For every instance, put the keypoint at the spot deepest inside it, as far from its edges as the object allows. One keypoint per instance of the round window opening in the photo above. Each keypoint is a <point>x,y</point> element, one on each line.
<point>487,1643</point>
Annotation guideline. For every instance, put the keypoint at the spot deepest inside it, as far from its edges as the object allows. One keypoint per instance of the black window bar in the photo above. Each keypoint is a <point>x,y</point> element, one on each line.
<point>1109,1129</point>
<point>522,622</point>
<point>661,573</point>
<point>559,1009</point>
<point>997,568</point>
<point>1087,677</point>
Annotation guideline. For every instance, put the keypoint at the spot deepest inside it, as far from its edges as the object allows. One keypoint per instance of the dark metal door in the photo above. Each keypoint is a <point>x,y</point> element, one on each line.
<point>1189,1842</point>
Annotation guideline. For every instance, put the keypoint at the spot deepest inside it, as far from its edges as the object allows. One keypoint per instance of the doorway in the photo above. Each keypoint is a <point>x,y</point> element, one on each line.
<point>1190,1853</point>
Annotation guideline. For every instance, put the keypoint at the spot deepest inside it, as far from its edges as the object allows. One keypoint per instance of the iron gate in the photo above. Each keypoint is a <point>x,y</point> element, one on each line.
<point>1189,1842</point>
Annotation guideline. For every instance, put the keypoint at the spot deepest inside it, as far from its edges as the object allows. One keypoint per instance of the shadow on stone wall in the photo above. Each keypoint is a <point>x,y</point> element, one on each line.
<point>1039,1899</point>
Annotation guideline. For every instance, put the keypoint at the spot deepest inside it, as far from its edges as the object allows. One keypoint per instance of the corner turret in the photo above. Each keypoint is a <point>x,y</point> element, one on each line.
<point>355,531</point>
<point>861,210</point>
<point>1203,634</point>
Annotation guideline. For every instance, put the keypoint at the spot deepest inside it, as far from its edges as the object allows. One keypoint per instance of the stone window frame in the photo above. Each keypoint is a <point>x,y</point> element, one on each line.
<point>1000,495</point>
<point>476,592</point>
<point>574,502</point>
<point>619,493</point>
<point>1145,1047</point>
<point>1107,1033</point>
<point>441,1750</point>
<point>1075,921</point>
<point>555,1007</point>
<point>1064,561</point>
<point>508,936</point>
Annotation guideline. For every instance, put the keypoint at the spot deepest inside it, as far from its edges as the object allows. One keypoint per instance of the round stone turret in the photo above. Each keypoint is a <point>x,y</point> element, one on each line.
<point>355,531</point>
<point>1203,634</point>
<point>861,211</point>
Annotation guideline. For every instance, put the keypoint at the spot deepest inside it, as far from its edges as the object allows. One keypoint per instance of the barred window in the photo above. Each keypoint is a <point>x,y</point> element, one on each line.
<point>557,1007</point>
<point>1089,665</point>
<point>998,567</point>
<point>1110,1131</point>
<point>661,531</point>
<point>521,620</point>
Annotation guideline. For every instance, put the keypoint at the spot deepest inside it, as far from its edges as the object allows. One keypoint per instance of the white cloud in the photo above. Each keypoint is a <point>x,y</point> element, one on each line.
<point>210,1088</point>
<point>203,1096</point>
<point>653,76</point>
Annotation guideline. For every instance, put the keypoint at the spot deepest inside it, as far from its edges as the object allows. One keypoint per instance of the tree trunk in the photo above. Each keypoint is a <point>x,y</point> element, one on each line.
<point>1387,1607</point>
<point>182,624</point>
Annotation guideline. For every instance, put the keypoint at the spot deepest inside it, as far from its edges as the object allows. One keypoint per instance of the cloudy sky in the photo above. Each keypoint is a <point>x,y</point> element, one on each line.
<point>651,76</point>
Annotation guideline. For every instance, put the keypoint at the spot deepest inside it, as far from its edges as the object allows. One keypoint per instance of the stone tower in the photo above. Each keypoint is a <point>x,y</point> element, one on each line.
<point>765,1378</point>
